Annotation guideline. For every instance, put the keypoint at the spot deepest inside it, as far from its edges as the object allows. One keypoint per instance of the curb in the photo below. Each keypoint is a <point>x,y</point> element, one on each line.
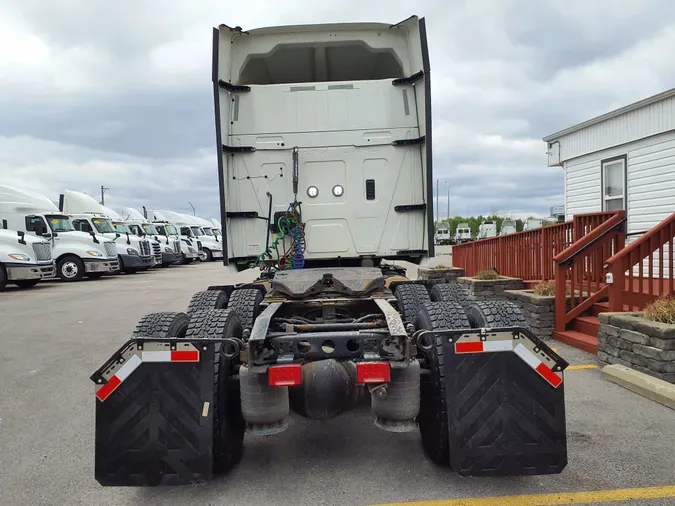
<point>640,383</point>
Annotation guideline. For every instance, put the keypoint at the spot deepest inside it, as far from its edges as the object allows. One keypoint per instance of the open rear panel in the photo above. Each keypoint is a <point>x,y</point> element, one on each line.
<point>353,101</point>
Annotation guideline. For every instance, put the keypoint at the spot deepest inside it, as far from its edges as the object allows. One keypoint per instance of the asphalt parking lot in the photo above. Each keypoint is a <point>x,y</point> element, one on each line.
<point>54,336</point>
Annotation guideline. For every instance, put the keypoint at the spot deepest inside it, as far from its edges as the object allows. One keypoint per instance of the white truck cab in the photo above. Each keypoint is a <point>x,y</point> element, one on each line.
<point>212,246</point>
<point>462,233</point>
<point>532,223</point>
<point>189,249</point>
<point>162,246</point>
<point>134,254</point>
<point>508,227</point>
<point>442,233</point>
<point>487,229</point>
<point>24,259</point>
<point>217,229</point>
<point>76,254</point>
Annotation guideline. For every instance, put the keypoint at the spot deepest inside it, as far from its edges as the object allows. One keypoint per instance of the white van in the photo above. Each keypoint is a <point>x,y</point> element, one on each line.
<point>89,216</point>
<point>77,254</point>
<point>24,259</point>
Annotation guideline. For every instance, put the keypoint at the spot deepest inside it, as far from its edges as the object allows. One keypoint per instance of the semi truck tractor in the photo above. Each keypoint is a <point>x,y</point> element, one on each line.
<point>462,233</point>
<point>188,247</point>
<point>134,253</point>
<point>508,227</point>
<point>487,229</point>
<point>187,229</point>
<point>77,254</point>
<point>212,246</point>
<point>327,322</point>
<point>443,234</point>
<point>24,259</point>
<point>165,251</point>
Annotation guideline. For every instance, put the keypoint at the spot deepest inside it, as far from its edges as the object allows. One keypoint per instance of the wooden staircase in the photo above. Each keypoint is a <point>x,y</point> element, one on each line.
<point>582,331</point>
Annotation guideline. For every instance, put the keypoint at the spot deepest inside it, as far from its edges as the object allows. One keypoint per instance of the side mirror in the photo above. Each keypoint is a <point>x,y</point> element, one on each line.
<point>117,234</point>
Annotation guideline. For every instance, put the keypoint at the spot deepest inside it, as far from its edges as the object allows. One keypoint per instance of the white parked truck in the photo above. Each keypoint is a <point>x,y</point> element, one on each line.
<point>532,223</point>
<point>188,246</point>
<point>134,253</point>
<point>185,225</point>
<point>342,111</point>
<point>166,251</point>
<point>462,233</point>
<point>212,246</point>
<point>443,234</point>
<point>487,229</point>
<point>508,227</point>
<point>217,228</point>
<point>121,223</point>
<point>24,259</point>
<point>77,254</point>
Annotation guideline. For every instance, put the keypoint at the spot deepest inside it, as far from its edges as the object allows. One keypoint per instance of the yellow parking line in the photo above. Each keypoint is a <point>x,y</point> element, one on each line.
<point>596,496</point>
<point>584,366</point>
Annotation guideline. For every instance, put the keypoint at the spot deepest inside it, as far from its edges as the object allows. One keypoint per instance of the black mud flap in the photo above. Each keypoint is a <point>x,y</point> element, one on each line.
<point>153,413</point>
<point>506,403</point>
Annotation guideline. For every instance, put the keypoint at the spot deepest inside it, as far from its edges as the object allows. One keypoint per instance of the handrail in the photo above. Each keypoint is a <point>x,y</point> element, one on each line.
<point>594,240</point>
<point>639,242</point>
<point>575,248</point>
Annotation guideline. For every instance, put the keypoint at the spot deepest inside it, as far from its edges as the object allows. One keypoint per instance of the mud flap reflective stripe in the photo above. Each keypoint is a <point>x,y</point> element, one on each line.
<point>503,418</point>
<point>532,353</point>
<point>155,426</point>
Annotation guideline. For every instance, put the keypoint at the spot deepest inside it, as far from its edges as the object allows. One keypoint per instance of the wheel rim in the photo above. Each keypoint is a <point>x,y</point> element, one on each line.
<point>202,256</point>
<point>69,270</point>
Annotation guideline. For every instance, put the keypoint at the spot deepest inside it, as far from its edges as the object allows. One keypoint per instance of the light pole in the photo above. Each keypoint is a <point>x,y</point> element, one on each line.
<point>194,213</point>
<point>448,185</point>
<point>103,190</point>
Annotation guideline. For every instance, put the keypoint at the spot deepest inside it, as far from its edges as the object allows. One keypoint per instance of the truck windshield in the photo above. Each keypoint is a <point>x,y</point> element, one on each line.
<point>150,229</point>
<point>197,231</point>
<point>207,231</point>
<point>59,223</point>
<point>171,230</point>
<point>135,229</point>
<point>103,226</point>
<point>121,227</point>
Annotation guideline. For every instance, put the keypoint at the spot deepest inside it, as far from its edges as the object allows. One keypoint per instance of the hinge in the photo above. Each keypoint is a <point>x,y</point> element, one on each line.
<point>410,207</point>
<point>409,142</point>
<point>410,79</point>
<point>238,149</point>
<point>232,87</point>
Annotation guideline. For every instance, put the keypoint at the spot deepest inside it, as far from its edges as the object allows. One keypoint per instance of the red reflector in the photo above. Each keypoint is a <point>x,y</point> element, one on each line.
<point>373,372</point>
<point>284,375</point>
<point>549,375</point>
<point>472,347</point>
<point>103,392</point>
<point>185,356</point>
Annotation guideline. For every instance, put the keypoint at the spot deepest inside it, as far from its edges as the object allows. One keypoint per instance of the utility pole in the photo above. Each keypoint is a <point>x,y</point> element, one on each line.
<point>448,183</point>
<point>437,215</point>
<point>103,190</point>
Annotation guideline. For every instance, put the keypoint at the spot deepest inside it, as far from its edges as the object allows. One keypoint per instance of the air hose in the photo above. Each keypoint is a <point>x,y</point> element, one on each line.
<point>288,225</point>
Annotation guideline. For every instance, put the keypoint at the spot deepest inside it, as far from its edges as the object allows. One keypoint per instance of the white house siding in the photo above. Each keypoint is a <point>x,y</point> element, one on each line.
<point>631,126</point>
<point>650,177</point>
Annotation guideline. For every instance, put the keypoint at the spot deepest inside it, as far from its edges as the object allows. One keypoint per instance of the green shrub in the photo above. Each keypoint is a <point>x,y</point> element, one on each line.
<point>487,275</point>
<point>545,289</point>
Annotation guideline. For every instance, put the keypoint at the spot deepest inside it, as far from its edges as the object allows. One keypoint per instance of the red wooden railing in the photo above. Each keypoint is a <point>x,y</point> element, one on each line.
<point>634,290</point>
<point>579,268</point>
<point>527,255</point>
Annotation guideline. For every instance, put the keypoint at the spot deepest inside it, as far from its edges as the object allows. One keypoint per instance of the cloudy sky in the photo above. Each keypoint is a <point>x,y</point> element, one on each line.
<point>119,93</point>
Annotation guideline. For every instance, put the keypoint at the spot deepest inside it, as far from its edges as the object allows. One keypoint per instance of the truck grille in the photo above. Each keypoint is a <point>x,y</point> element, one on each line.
<point>157,251</point>
<point>176,246</point>
<point>145,248</point>
<point>110,249</point>
<point>43,251</point>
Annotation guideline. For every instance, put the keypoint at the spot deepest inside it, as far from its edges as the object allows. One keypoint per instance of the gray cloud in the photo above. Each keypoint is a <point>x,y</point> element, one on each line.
<point>120,94</point>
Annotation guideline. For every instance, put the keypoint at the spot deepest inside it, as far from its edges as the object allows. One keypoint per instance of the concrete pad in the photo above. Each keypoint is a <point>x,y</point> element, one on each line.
<point>643,384</point>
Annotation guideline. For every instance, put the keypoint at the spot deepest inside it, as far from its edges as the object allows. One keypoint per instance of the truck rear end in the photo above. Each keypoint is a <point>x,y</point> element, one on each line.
<point>325,175</point>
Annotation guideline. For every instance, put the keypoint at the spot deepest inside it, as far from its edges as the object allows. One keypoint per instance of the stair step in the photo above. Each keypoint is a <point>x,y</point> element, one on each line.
<point>586,325</point>
<point>599,307</point>
<point>578,340</point>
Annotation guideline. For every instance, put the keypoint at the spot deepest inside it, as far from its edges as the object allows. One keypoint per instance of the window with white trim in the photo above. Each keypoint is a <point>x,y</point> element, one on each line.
<point>614,184</point>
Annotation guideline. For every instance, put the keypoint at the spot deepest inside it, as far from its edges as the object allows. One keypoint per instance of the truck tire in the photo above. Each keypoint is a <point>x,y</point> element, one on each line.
<point>161,325</point>
<point>433,415</point>
<point>411,297</point>
<point>495,314</point>
<point>228,423</point>
<point>3,277</point>
<point>208,256</point>
<point>208,299</point>
<point>246,303</point>
<point>70,268</point>
<point>450,292</point>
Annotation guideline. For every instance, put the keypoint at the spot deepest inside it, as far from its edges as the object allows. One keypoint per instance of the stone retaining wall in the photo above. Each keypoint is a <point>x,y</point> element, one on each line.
<point>630,340</point>
<point>480,289</point>
<point>539,311</point>
<point>443,274</point>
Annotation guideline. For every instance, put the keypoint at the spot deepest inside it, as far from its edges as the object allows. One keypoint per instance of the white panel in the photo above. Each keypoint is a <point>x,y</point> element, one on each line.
<point>582,186</point>
<point>647,121</point>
